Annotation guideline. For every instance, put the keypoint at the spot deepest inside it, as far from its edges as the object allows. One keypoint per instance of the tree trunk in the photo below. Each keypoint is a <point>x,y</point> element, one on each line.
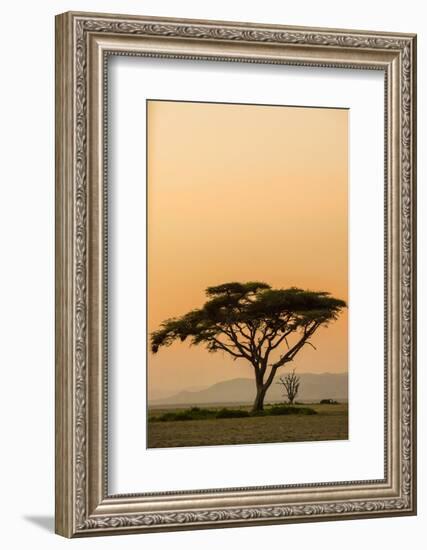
<point>259,399</point>
<point>261,390</point>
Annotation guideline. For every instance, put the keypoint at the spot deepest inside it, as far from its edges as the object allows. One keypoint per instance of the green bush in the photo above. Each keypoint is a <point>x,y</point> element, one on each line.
<point>232,413</point>
<point>287,409</point>
<point>172,416</point>
<point>197,413</point>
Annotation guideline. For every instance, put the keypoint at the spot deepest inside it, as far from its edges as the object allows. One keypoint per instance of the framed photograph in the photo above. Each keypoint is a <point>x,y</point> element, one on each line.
<point>235,274</point>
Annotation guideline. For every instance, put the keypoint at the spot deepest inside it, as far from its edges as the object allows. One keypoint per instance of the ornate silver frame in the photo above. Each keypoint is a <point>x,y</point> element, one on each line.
<point>83,505</point>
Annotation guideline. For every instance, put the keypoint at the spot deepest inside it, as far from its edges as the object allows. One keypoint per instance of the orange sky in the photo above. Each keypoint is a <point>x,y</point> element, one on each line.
<point>239,193</point>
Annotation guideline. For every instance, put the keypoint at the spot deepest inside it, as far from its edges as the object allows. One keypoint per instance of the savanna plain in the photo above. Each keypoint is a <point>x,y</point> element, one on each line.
<point>328,422</point>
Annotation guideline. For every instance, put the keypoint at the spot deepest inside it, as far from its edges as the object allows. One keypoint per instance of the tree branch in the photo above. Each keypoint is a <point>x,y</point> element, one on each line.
<point>308,331</point>
<point>310,344</point>
<point>227,349</point>
<point>244,350</point>
<point>242,332</point>
<point>283,337</point>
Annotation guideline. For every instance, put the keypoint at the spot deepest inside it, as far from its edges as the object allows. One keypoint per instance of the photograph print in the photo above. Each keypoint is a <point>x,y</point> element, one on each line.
<point>247,265</point>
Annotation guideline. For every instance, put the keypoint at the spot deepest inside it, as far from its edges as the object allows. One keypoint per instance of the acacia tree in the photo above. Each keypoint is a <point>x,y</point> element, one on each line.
<point>266,327</point>
<point>291,383</point>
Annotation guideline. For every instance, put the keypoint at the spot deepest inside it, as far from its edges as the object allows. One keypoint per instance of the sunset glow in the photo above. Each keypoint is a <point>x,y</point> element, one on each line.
<point>243,193</point>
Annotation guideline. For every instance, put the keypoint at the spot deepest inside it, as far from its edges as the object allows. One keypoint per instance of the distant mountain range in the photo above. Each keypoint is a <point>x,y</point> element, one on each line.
<point>313,387</point>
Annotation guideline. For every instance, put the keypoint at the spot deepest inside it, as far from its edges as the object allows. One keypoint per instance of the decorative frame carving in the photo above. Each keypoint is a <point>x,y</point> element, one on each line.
<point>83,42</point>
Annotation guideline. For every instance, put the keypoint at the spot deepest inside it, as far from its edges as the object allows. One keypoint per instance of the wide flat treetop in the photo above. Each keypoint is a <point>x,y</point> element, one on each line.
<point>252,311</point>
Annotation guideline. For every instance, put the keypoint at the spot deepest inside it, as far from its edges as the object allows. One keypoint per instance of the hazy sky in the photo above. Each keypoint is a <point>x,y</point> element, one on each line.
<point>243,193</point>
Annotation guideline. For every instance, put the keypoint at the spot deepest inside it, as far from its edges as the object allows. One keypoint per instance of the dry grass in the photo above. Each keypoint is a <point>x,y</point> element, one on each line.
<point>331,423</point>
